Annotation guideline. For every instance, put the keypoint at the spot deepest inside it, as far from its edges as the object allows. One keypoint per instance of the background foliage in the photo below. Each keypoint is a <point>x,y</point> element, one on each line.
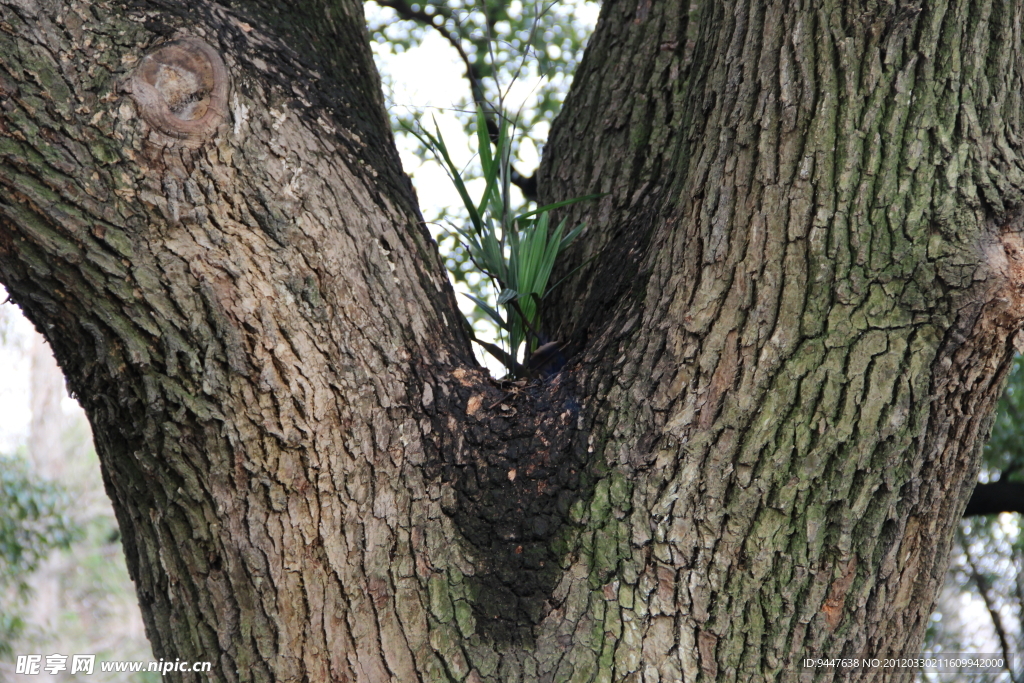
<point>498,43</point>
<point>34,520</point>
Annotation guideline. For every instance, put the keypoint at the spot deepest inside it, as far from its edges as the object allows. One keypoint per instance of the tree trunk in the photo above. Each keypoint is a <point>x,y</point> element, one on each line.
<point>784,358</point>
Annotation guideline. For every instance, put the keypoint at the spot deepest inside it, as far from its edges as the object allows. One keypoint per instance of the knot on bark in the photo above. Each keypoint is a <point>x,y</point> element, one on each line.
<point>181,89</point>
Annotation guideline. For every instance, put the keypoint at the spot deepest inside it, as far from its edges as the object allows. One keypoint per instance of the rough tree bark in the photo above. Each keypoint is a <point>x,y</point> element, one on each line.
<point>782,364</point>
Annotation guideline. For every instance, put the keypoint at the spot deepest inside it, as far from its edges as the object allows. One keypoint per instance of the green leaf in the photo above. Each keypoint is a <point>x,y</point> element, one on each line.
<point>487,161</point>
<point>440,150</point>
<point>518,254</point>
<point>488,310</point>
<point>558,205</point>
<point>507,295</point>
<point>567,240</point>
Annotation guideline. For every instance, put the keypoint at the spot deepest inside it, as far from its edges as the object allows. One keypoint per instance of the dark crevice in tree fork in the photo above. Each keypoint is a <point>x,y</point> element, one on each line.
<point>785,356</point>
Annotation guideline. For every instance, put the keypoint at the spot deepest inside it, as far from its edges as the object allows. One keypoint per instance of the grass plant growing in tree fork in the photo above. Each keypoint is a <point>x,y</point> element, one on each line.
<point>517,252</point>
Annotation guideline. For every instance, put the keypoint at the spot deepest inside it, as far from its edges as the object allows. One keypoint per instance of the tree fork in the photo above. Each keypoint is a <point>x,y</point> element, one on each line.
<point>785,364</point>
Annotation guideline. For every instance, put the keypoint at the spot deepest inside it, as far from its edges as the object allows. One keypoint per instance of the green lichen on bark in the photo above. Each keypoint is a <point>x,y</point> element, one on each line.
<point>766,432</point>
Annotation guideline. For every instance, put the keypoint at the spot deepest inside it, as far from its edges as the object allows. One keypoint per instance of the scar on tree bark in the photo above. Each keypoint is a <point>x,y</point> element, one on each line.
<point>181,89</point>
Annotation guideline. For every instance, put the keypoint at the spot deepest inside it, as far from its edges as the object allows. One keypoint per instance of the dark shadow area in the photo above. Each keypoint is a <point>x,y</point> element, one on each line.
<point>521,467</point>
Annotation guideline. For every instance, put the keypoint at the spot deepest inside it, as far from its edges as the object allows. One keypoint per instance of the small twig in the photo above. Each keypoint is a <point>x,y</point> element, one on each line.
<point>501,400</point>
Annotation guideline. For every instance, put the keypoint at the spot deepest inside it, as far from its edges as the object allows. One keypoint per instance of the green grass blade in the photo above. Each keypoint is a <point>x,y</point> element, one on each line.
<point>567,240</point>
<point>488,163</point>
<point>507,295</point>
<point>534,256</point>
<point>555,245</point>
<point>494,258</point>
<point>453,172</point>
<point>485,307</point>
<point>505,167</point>
<point>558,205</point>
<point>546,257</point>
<point>483,140</point>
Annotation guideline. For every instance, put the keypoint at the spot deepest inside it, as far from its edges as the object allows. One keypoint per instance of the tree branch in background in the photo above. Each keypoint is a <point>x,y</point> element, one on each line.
<point>999,496</point>
<point>985,589</point>
<point>528,185</point>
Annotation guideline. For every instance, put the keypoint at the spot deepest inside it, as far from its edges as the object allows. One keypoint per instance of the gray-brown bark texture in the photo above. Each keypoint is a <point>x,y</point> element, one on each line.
<point>783,360</point>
